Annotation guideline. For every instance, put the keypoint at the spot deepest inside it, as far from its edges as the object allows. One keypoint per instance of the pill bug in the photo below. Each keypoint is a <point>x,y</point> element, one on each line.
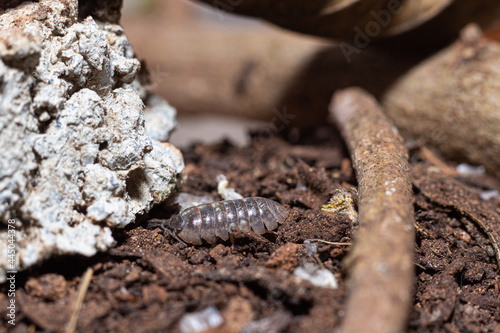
<point>220,219</point>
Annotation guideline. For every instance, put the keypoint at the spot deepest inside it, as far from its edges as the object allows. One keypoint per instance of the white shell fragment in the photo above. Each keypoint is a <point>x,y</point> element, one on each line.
<point>76,160</point>
<point>470,170</point>
<point>320,277</point>
<point>488,195</point>
<point>201,321</point>
<point>227,193</point>
<point>311,248</point>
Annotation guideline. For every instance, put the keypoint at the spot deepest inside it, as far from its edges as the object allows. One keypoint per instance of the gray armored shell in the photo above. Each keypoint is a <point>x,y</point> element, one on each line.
<point>220,219</point>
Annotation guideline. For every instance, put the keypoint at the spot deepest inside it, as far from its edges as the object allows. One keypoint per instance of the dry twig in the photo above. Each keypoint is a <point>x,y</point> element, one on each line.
<point>327,242</point>
<point>381,263</point>
<point>82,290</point>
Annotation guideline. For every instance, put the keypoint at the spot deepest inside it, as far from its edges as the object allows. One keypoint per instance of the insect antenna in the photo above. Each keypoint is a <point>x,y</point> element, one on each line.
<point>164,227</point>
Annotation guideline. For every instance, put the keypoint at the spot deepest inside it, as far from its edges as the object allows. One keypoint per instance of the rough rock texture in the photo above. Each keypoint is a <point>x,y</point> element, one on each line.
<point>75,158</point>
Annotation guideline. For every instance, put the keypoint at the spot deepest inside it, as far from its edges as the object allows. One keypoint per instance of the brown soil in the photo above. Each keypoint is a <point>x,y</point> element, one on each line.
<point>150,281</point>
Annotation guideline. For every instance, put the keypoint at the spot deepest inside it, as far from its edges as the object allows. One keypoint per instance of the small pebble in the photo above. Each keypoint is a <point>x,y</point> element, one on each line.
<point>311,248</point>
<point>226,192</point>
<point>318,277</point>
<point>201,320</point>
<point>488,195</point>
<point>470,170</point>
<point>300,186</point>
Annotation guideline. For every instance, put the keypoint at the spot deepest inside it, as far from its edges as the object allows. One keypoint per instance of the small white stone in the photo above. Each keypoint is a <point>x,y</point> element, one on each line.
<point>201,321</point>
<point>469,170</point>
<point>318,277</point>
<point>311,248</point>
<point>488,195</point>
<point>226,192</point>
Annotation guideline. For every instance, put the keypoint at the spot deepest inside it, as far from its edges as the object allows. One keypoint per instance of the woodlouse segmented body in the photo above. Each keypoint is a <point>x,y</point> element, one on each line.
<point>220,219</point>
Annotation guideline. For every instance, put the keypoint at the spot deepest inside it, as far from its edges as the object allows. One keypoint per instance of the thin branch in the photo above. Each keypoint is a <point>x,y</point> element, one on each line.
<point>380,265</point>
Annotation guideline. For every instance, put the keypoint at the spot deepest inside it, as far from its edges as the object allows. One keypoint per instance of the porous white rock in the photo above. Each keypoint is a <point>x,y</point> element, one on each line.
<point>76,160</point>
<point>160,118</point>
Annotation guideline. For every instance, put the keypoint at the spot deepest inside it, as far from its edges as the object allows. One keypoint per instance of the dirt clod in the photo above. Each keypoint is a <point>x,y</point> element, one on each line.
<point>284,257</point>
